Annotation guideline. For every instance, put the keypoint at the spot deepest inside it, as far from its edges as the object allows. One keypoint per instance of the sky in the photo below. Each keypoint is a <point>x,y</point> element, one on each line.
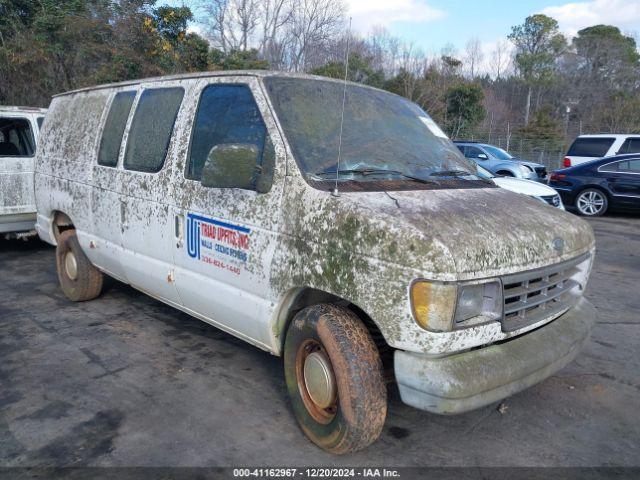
<point>432,24</point>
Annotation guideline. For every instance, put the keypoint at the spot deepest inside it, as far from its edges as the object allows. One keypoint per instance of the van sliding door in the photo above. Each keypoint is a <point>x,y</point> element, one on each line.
<point>147,211</point>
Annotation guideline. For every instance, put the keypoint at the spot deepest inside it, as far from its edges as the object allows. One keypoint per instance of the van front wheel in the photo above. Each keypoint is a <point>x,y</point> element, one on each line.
<point>79,279</point>
<point>334,378</point>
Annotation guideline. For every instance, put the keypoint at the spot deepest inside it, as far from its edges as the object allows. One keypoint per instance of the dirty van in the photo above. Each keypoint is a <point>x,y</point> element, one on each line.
<point>19,128</point>
<point>357,242</point>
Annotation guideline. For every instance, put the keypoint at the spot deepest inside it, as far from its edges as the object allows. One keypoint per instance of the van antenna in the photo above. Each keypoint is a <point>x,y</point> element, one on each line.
<point>335,192</point>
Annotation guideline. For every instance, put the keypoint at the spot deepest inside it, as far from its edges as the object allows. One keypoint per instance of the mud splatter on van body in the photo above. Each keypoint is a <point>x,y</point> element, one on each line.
<point>364,247</point>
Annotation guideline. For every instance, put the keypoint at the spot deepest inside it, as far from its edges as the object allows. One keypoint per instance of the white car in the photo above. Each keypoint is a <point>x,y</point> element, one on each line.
<point>533,189</point>
<point>19,128</point>
<point>589,147</point>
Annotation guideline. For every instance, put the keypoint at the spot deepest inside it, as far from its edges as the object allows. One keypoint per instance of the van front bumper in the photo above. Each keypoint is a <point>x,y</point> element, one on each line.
<point>473,379</point>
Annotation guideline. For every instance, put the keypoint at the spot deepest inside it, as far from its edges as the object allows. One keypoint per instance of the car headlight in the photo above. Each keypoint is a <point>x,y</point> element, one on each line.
<point>525,169</point>
<point>442,307</point>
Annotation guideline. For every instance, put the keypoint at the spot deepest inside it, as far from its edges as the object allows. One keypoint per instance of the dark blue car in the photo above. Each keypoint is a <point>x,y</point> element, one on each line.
<point>610,183</point>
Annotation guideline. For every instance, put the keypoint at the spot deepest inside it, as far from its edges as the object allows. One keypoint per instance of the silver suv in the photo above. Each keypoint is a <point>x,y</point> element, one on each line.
<point>501,163</point>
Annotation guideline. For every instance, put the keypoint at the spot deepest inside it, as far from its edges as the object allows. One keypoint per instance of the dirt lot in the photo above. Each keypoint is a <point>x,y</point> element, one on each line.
<point>125,380</point>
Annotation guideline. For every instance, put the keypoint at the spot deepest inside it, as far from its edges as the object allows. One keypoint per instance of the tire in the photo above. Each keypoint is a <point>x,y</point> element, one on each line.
<point>79,279</point>
<point>356,412</point>
<point>592,202</point>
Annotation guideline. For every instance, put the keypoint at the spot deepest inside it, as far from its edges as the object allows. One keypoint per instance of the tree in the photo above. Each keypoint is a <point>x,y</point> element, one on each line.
<point>360,71</point>
<point>608,57</point>
<point>464,108</point>
<point>237,60</point>
<point>538,45</point>
<point>473,56</point>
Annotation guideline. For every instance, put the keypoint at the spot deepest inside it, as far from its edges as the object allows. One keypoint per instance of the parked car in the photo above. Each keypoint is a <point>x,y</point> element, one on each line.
<point>500,162</point>
<point>533,189</point>
<point>590,147</point>
<point>19,128</point>
<point>238,198</point>
<point>600,185</point>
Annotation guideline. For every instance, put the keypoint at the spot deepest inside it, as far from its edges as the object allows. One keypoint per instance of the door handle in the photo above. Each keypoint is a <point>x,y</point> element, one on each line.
<point>179,231</point>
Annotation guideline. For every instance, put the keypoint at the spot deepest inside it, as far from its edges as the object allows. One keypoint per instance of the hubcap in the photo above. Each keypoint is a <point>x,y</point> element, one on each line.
<point>318,379</point>
<point>71,266</point>
<point>590,203</point>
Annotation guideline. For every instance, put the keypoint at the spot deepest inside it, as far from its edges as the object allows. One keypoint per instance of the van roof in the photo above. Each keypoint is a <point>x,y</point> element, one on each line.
<point>4,108</point>
<point>217,73</point>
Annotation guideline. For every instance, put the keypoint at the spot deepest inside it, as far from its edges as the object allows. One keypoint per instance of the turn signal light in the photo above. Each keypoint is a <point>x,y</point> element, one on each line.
<point>566,162</point>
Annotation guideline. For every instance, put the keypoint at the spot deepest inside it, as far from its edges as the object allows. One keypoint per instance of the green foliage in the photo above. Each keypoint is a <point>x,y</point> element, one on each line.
<point>50,46</point>
<point>171,22</point>
<point>611,59</point>
<point>464,108</point>
<point>360,71</point>
<point>237,60</point>
<point>538,45</point>
<point>543,126</point>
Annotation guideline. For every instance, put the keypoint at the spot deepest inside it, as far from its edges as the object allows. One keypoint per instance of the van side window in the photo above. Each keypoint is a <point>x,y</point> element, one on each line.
<point>151,129</point>
<point>228,123</point>
<point>114,128</point>
<point>16,138</point>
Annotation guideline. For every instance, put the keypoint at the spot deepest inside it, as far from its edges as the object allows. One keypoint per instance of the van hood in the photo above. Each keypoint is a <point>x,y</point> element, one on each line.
<point>464,234</point>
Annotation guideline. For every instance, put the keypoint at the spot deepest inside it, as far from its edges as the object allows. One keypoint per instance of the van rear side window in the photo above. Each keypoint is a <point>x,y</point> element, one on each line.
<point>114,128</point>
<point>151,129</point>
<point>590,147</point>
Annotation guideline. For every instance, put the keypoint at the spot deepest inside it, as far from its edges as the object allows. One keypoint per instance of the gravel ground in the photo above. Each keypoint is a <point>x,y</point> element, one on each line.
<point>127,381</point>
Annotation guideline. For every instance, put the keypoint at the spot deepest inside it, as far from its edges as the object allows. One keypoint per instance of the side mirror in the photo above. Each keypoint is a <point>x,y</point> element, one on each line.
<point>483,156</point>
<point>235,165</point>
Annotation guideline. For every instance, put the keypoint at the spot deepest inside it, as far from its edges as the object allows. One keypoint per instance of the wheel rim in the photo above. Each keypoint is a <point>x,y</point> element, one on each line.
<point>590,203</point>
<point>71,265</point>
<point>316,381</point>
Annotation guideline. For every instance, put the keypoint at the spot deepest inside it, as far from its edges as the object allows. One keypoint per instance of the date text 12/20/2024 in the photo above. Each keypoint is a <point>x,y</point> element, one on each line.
<point>316,473</point>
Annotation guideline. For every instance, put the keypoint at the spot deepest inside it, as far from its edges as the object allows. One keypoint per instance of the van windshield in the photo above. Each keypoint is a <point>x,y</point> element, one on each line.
<point>384,136</point>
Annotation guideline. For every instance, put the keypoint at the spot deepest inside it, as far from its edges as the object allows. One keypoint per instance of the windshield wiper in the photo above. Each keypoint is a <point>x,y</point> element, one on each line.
<point>374,171</point>
<point>451,173</point>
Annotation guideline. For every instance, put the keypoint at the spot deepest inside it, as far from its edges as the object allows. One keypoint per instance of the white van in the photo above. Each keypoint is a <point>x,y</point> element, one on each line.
<point>348,244</point>
<point>589,147</point>
<point>19,128</point>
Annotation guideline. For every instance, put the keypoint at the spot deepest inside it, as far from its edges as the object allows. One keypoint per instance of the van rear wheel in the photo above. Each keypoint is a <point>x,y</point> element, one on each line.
<point>79,279</point>
<point>334,379</point>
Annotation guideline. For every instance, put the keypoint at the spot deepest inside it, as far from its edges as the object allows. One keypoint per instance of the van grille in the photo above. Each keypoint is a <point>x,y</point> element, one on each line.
<point>530,297</point>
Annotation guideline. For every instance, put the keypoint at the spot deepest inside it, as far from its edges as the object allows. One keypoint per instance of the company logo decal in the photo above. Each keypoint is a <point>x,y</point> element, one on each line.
<point>217,243</point>
<point>558,244</point>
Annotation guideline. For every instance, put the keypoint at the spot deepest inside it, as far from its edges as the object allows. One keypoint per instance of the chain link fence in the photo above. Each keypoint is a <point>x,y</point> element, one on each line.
<point>548,152</point>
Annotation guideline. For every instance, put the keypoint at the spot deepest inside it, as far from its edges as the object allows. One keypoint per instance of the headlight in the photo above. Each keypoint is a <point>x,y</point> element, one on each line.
<point>442,307</point>
<point>525,169</point>
<point>433,305</point>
